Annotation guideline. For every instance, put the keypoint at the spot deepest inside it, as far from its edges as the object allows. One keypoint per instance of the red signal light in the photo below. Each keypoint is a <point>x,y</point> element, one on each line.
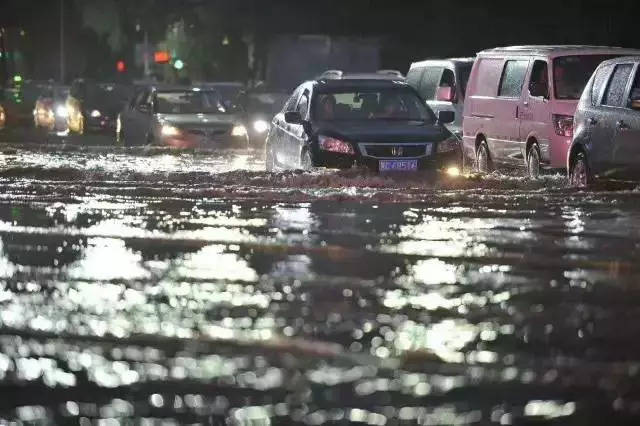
<point>120,66</point>
<point>161,57</point>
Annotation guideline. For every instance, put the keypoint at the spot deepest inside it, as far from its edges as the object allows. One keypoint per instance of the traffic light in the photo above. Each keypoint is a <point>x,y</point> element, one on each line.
<point>120,66</point>
<point>161,57</point>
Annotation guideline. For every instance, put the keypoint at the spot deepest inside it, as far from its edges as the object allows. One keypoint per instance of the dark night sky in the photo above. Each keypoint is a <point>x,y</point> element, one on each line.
<point>411,29</point>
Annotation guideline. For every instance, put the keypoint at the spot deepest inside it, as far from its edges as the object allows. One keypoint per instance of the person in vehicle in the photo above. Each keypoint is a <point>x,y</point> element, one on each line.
<point>327,110</point>
<point>391,107</point>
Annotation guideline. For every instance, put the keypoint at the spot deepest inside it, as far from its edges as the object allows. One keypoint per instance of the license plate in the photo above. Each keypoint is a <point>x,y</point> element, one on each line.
<point>398,165</point>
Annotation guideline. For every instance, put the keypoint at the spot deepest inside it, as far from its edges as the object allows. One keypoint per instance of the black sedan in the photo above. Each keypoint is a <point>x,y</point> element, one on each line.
<point>381,124</point>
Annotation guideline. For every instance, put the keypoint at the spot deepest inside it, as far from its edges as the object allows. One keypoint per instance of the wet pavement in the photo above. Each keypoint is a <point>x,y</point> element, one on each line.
<point>145,286</point>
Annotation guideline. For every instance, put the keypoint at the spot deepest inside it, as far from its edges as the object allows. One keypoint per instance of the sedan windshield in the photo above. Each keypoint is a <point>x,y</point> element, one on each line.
<point>571,74</point>
<point>192,102</point>
<point>370,104</point>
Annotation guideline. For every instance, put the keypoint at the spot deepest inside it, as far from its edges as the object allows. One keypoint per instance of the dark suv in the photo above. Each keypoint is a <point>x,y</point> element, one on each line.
<point>377,122</point>
<point>606,142</point>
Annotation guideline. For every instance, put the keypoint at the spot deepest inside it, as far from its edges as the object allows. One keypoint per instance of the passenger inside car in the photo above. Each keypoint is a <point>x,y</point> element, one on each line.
<point>327,107</point>
<point>391,107</point>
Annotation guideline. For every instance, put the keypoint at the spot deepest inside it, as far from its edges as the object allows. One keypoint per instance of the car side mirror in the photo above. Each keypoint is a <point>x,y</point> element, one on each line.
<point>445,94</point>
<point>446,117</point>
<point>293,117</point>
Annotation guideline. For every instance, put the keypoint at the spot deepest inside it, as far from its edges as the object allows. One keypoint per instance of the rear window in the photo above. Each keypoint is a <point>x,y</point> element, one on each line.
<point>572,73</point>
<point>513,79</point>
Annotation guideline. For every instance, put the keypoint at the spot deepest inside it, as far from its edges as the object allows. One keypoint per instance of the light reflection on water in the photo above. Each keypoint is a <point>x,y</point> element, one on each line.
<point>469,307</point>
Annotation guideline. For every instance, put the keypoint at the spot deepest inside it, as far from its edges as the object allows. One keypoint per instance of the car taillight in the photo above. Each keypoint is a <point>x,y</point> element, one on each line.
<point>563,125</point>
<point>335,145</point>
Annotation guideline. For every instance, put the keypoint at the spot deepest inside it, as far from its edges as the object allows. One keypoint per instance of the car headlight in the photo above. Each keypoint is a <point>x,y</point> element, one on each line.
<point>260,126</point>
<point>95,113</point>
<point>62,111</point>
<point>335,145</point>
<point>169,130</point>
<point>448,145</point>
<point>239,130</point>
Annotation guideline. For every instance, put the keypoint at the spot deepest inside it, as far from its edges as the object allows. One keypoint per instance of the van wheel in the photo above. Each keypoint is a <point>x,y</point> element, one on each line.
<point>483,159</point>
<point>533,161</point>
<point>580,176</point>
<point>306,163</point>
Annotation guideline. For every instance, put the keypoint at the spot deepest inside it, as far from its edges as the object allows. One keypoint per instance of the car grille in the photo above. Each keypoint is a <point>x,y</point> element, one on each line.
<point>396,151</point>
<point>209,132</point>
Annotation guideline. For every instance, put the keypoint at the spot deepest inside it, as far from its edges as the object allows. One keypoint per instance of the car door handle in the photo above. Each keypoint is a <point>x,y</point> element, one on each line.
<point>622,125</point>
<point>592,121</point>
<point>525,103</point>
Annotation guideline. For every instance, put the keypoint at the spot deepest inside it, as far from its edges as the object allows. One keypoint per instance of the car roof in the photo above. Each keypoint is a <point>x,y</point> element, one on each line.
<point>445,61</point>
<point>172,88</point>
<point>556,50</point>
<point>622,59</point>
<point>385,74</point>
<point>358,83</point>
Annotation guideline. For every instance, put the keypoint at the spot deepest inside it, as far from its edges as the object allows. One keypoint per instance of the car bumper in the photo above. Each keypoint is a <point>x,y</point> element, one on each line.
<point>436,161</point>
<point>196,142</point>
<point>105,126</point>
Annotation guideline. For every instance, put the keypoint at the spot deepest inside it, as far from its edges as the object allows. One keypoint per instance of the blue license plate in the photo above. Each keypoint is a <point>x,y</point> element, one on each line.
<point>398,165</point>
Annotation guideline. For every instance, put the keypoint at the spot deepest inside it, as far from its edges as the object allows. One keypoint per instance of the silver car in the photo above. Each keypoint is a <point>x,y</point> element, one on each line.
<point>181,117</point>
<point>442,84</point>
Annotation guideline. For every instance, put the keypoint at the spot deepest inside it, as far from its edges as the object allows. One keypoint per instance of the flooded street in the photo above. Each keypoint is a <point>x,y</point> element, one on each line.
<point>150,286</point>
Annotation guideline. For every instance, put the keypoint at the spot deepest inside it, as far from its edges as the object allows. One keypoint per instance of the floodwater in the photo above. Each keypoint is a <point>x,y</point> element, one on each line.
<point>154,287</point>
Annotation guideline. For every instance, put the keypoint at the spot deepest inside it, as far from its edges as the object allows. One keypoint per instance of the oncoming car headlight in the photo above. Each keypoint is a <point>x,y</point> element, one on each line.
<point>239,130</point>
<point>448,145</point>
<point>95,113</point>
<point>169,130</point>
<point>260,126</point>
<point>335,145</point>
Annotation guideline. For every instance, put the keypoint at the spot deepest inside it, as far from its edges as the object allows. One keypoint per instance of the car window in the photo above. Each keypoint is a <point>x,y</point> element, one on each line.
<point>539,81</point>
<point>512,79</point>
<point>293,101</point>
<point>303,104</point>
<point>190,102</point>
<point>448,79</point>
<point>429,84</point>
<point>634,94</point>
<point>599,81</point>
<point>617,85</point>
<point>370,104</point>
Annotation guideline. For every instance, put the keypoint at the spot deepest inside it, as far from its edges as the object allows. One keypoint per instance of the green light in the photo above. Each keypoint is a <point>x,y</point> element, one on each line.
<point>178,64</point>
<point>17,78</point>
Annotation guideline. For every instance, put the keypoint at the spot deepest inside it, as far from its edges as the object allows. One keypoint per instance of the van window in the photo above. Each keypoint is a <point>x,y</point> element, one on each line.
<point>617,85</point>
<point>571,74</point>
<point>486,77</point>
<point>539,82</point>
<point>430,81</point>
<point>448,79</point>
<point>512,79</point>
<point>599,80</point>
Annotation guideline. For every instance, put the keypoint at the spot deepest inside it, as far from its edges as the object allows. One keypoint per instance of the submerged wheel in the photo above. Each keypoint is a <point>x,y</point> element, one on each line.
<point>580,175</point>
<point>483,159</point>
<point>533,161</point>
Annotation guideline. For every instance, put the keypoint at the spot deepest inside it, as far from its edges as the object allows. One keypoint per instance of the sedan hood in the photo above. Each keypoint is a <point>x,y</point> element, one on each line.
<point>383,131</point>
<point>200,120</point>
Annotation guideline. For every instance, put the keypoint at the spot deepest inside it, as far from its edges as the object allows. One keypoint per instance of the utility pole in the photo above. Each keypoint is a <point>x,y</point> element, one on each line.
<point>147,70</point>
<point>61,41</point>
